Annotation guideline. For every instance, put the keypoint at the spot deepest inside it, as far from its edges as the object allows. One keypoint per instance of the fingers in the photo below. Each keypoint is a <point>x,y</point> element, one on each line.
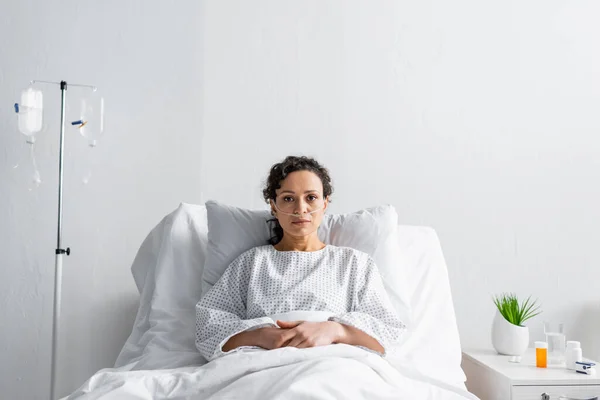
<point>286,337</point>
<point>288,324</point>
<point>296,341</point>
<point>305,344</point>
<point>289,334</point>
<point>295,338</point>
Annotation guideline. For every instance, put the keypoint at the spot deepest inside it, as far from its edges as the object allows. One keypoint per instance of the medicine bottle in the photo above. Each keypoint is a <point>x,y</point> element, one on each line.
<point>541,354</point>
<point>573,354</point>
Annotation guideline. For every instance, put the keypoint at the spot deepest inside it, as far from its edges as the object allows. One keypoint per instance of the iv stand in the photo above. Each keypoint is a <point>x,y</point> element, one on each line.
<point>59,252</point>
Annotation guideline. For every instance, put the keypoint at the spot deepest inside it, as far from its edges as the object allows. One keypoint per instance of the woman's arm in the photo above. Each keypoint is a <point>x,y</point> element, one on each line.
<point>268,338</point>
<point>373,318</point>
<point>246,338</point>
<point>221,313</point>
<point>356,337</point>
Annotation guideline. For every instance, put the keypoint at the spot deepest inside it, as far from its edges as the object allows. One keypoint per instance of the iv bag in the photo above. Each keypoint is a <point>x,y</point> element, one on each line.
<point>91,116</point>
<point>30,121</point>
<point>30,112</point>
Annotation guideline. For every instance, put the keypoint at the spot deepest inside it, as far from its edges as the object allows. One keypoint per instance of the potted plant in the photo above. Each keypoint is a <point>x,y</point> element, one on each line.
<point>509,335</point>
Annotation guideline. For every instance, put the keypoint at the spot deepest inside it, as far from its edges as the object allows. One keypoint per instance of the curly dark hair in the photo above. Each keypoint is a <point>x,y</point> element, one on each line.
<point>279,172</point>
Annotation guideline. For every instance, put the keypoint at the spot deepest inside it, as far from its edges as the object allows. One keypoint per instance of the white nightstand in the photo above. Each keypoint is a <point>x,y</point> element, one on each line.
<point>491,376</point>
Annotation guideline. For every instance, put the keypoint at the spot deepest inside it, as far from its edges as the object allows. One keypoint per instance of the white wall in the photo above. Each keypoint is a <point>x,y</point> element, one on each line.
<point>146,57</point>
<point>476,118</point>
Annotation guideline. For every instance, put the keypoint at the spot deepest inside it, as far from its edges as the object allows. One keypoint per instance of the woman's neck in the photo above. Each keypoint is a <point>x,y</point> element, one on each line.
<point>302,243</point>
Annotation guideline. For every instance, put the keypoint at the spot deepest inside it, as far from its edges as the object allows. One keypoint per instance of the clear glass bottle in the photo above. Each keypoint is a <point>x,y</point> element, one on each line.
<point>555,338</point>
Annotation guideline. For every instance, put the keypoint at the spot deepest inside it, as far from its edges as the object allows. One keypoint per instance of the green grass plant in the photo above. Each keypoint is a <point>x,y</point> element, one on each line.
<point>514,311</point>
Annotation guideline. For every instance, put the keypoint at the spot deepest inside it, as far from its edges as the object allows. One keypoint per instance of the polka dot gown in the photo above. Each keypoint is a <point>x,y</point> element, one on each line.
<point>264,281</point>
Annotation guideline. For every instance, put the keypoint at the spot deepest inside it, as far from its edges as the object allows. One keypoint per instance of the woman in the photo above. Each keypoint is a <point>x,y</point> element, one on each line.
<point>296,272</point>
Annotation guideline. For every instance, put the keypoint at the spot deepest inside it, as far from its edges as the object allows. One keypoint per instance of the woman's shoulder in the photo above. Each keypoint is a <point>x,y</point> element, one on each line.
<point>246,261</point>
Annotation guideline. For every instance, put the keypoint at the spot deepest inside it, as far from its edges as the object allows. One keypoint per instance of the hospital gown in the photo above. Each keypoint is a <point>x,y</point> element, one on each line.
<point>263,282</point>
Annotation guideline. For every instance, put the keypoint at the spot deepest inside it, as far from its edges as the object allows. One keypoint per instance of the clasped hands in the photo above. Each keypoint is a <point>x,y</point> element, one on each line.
<point>299,334</point>
<point>303,334</point>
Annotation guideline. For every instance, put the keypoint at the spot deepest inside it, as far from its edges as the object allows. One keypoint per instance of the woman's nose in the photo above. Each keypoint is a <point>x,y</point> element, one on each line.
<point>301,207</point>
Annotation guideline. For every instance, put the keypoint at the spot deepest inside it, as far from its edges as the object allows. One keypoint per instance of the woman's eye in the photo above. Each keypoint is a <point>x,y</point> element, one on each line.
<point>312,198</point>
<point>288,199</point>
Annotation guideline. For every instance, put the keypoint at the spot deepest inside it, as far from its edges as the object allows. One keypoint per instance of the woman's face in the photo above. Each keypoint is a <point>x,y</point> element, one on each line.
<point>299,204</point>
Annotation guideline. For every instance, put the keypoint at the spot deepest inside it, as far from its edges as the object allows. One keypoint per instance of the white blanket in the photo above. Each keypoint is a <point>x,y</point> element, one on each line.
<point>328,372</point>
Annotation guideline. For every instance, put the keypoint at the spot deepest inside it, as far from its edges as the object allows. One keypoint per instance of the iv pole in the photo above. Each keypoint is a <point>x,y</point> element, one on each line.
<point>59,252</point>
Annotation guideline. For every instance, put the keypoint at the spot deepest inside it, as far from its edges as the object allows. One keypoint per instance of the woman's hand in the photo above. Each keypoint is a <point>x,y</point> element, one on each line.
<point>268,338</point>
<point>311,334</point>
<point>272,338</point>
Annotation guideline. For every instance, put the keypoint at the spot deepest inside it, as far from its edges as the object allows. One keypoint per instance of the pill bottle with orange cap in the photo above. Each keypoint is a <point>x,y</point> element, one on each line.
<point>541,354</point>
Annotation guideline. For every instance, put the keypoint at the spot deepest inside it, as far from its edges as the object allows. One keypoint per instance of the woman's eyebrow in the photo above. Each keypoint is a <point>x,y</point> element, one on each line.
<point>292,192</point>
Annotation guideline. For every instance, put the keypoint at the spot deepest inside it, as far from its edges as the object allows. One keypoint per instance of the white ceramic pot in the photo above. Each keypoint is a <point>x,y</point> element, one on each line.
<point>509,339</point>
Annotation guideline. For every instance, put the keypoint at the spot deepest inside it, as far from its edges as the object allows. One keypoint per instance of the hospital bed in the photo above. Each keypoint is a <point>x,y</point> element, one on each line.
<point>159,360</point>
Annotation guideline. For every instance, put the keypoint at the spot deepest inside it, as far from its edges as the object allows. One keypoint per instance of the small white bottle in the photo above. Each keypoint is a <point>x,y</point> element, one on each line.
<point>573,354</point>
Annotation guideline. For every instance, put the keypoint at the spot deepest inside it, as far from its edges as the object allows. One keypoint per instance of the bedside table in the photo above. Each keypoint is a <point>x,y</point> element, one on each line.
<point>491,376</point>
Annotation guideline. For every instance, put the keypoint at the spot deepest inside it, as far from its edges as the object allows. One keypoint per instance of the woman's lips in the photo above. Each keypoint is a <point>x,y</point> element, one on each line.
<point>301,222</point>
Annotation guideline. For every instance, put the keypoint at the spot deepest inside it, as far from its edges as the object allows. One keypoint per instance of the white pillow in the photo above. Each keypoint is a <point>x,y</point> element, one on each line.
<point>167,271</point>
<point>233,230</point>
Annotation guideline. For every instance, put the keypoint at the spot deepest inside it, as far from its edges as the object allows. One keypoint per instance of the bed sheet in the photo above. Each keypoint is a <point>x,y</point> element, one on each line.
<point>327,372</point>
